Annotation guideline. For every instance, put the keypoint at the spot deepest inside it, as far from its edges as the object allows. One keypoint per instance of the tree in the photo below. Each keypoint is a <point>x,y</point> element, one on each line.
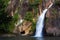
<point>6,22</point>
<point>3,15</point>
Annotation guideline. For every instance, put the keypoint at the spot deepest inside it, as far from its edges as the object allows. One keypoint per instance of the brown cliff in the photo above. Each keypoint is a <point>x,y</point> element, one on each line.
<point>52,23</point>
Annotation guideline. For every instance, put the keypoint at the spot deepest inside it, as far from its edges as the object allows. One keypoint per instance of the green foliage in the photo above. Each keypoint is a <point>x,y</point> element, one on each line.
<point>54,11</point>
<point>46,20</point>
<point>57,3</point>
<point>35,11</point>
<point>11,26</point>
<point>33,26</point>
<point>6,23</point>
<point>28,16</point>
<point>3,16</point>
<point>6,2</point>
<point>15,18</point>
<point>38,1</point>
<point>35,3</point>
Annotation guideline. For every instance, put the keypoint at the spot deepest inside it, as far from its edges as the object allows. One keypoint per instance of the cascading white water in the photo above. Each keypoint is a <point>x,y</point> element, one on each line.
<point>40,22</point>
<point>39,25</point>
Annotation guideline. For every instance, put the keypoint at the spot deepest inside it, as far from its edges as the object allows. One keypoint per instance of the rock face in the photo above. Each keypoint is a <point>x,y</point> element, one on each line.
<point>52,23</point>
<point>53,30</point>
<point>25,28</point>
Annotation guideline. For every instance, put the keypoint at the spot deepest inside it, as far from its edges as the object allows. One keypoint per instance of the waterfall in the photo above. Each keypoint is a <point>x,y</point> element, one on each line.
<point>39,25</point>
<point>40,22</point>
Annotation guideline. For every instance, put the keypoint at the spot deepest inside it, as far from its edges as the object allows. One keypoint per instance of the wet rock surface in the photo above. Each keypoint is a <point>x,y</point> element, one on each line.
<point>52,22</point>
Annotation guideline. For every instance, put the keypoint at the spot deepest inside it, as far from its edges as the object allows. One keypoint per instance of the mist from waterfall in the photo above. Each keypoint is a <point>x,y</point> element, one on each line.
<point>40,23</point>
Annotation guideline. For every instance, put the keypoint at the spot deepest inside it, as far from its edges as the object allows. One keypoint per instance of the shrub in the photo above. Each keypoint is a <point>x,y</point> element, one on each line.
<point>28,16</point>
<point>6,23</point>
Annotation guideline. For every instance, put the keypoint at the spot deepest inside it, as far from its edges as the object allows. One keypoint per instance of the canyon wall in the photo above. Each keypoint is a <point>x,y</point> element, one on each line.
<point>52,21</point>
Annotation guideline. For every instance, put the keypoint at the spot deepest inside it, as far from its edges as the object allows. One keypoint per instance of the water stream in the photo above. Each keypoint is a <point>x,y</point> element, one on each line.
<point>40,22</point>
